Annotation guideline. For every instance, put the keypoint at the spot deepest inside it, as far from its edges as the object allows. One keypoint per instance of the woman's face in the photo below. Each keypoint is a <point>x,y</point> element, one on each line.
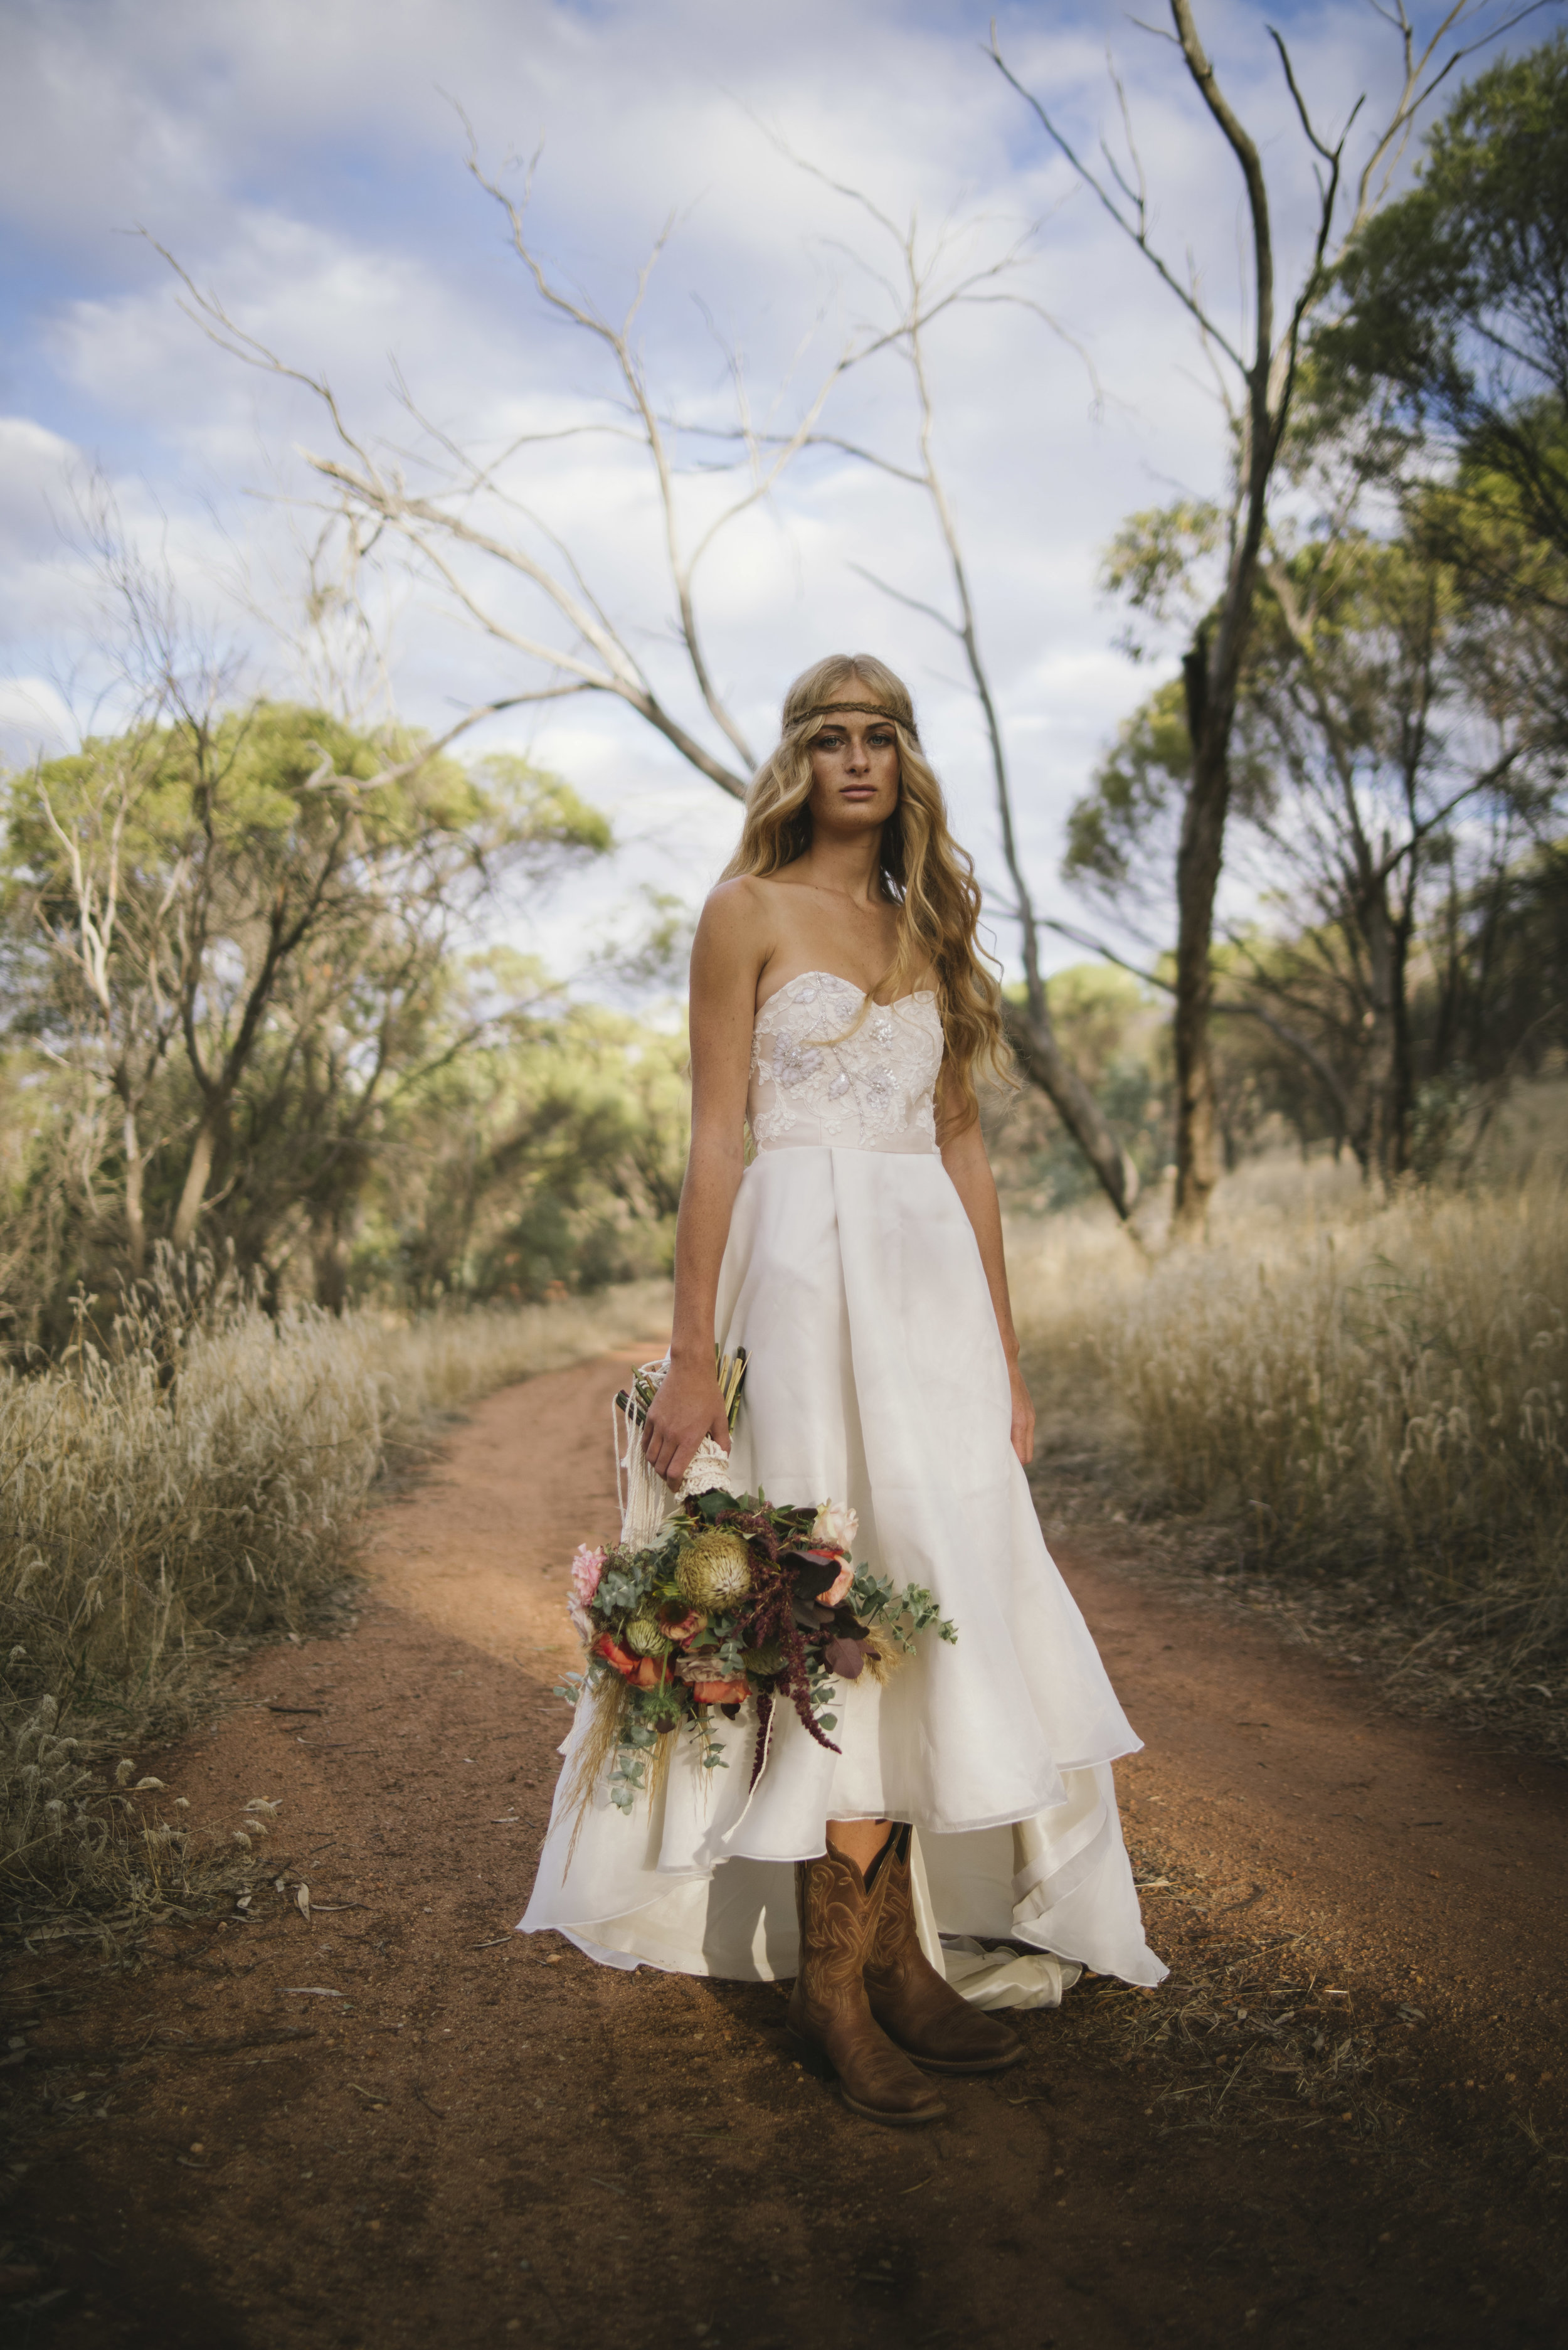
<point>854,771</point>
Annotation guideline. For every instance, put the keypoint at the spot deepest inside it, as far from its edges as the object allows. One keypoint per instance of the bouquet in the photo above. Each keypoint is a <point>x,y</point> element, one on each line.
<point>735,1598</point>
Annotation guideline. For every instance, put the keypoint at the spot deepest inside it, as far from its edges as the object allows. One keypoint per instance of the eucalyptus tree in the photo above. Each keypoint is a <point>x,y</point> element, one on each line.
<point>1447,324</point>
<point>238,924</point>
<point>1259,374</point>
<point>1388,768</point>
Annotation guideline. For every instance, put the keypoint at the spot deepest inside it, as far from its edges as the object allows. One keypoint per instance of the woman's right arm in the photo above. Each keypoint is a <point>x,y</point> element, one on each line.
<point>727,958</point>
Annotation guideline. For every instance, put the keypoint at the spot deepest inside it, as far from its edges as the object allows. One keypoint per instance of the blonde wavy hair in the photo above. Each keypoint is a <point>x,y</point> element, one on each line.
<point>925,873</point>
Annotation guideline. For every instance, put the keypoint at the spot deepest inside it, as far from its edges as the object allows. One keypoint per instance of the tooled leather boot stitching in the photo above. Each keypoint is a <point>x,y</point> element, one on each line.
<point>828,2008</point>
<point>915,2005</point>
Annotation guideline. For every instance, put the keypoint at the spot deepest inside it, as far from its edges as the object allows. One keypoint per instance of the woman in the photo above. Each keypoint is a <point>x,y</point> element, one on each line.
<point>840,1007</point>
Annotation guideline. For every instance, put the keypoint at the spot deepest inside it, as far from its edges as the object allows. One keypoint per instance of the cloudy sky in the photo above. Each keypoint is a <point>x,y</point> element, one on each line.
<point>305,164</point>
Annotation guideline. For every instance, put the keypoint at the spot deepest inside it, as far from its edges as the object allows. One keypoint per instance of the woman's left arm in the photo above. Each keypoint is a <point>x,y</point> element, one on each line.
<point>964,1158</point>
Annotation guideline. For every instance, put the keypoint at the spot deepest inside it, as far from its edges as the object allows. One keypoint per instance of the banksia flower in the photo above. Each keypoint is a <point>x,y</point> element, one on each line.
<point>645,1635</point>
<point>713,1570</point>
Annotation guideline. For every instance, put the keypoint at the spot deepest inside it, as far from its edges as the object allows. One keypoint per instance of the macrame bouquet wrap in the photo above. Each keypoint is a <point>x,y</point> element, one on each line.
<point>713,1600</point>
<point>645,1498</point>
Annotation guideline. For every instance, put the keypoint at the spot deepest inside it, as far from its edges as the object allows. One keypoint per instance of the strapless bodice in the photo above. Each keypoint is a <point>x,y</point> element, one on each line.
<point>824,1077</point>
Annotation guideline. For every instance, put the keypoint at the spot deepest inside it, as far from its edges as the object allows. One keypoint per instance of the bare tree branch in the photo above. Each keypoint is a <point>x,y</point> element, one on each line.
<point>443,526</point>
<point>1136,227</point>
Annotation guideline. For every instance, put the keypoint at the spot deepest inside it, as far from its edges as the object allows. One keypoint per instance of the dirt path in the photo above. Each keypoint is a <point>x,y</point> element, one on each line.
<point>396,2122</point>
<point>1435,1870</point>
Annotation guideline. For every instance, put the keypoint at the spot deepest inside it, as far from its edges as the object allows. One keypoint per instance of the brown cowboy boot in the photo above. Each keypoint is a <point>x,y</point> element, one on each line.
<point>915,2006</point>
<point>827,2009</point>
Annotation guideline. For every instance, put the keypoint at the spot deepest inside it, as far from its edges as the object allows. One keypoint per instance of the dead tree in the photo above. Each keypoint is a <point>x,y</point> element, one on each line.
<point>924,288</point>
<point>466,519</point>
<point>590,654</point>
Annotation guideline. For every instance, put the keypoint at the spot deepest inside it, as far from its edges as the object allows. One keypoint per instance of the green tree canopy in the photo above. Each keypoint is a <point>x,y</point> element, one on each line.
<point>1451,306</point>
<point>230,943</point>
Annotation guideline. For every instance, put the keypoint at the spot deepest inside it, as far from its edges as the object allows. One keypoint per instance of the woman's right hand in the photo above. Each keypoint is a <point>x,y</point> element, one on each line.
<point>688,1406</point>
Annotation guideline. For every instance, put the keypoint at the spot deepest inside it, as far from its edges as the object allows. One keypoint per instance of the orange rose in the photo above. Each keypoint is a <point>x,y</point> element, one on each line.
<point>831,1593</point>
<point>720,1692</point>
<point>839,1587</point>
<point>620,1659</point>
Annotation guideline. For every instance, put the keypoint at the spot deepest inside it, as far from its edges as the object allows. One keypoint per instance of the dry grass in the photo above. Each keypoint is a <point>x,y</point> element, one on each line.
<point>186,1481</point>
<point>435,1365</point>
<point>1374,1399</point>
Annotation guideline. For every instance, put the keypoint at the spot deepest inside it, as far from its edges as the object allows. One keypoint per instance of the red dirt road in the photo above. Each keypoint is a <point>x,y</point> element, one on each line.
<point>398,2122</point>
<point>1436,1871</point>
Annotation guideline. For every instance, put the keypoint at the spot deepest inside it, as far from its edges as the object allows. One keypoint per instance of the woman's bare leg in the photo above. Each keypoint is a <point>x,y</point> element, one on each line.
<point>858,1840</point>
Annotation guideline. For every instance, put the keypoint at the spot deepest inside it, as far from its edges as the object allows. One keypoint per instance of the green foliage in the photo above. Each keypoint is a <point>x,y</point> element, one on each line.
<point>1113,1028</point>
<point>903,1616</point>
<point>1449,308</point>
<point>1399,737</point>
<point>1119,832</point>
<point>543,814</point>
<point>1154,562</point>
<point>236,1013</point>
<point>545,1154</point>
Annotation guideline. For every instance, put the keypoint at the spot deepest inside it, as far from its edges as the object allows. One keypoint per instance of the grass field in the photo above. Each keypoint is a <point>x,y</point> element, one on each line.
<point>1366,1394</point>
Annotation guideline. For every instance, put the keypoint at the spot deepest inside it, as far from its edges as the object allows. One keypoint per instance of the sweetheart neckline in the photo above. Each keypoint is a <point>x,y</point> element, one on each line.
<point>916,995</point>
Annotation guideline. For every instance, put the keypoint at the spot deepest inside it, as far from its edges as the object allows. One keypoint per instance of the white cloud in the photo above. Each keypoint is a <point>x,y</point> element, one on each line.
<point>305,162</point>
<point>33,717</point>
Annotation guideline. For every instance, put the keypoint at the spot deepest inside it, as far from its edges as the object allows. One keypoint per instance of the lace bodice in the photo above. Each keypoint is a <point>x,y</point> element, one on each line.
<point>820,1080</point>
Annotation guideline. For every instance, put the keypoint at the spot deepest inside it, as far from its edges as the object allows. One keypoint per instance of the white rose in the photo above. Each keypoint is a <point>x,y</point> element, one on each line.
<point>836,1526</point>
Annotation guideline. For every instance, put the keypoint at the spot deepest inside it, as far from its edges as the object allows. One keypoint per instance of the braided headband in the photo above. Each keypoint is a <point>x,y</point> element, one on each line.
<point>866,709</point>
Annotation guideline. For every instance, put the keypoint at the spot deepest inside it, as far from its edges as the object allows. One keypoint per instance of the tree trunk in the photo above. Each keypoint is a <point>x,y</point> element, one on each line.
<point>1403,1098</point>
<point>1387,1082</point>
<point>188,1214</point>
<point>1044,1061</point>
<point>329,1262</point>
<point>1198,860</point>
<point>135,1207</point>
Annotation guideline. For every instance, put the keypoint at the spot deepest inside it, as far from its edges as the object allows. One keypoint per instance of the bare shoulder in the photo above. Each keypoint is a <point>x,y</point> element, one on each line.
<point>735,938</point>
<point>734,905</point>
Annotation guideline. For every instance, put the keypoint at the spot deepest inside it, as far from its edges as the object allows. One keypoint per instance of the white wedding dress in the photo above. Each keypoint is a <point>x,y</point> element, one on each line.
<point>876,1377</point>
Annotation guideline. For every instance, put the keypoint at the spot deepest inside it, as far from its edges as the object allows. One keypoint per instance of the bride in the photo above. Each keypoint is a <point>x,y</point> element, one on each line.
<point>841,1010</point>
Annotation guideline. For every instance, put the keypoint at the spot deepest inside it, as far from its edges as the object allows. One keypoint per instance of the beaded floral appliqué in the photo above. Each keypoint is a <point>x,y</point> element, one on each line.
<point>819,1078</point>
